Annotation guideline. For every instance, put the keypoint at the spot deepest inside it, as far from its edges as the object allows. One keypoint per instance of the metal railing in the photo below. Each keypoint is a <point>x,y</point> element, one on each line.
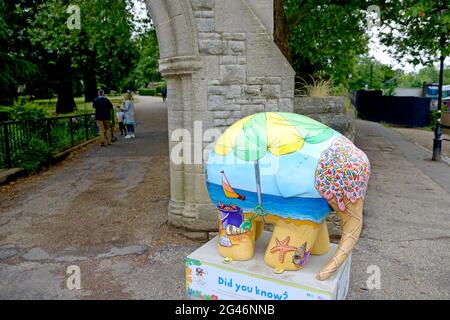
<point>59,133</point>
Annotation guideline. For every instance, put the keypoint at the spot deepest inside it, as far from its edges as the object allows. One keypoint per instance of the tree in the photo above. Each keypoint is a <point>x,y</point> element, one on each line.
<point>373,75</point>
<point>420,31</point>
<point>110,25</point>
<point>412,29</point>
<point>327,42</point>
<point>427,74</point>
<point>146,69</point>
<point>321,38</point>
<point>281,30</point>
<point>15,68</point>
<point>49,29</point>
<point>102,52</point>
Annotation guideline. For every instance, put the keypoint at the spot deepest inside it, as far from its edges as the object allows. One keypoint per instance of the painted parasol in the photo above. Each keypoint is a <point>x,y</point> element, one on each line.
<point>276,132</point>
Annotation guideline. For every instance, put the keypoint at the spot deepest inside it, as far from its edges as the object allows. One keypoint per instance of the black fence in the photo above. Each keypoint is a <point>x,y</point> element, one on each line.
<point>404,111</point>
<point>59,133</point>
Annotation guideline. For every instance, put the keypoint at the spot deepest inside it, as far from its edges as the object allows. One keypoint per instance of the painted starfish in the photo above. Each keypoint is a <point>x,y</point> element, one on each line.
<point>283,247</point>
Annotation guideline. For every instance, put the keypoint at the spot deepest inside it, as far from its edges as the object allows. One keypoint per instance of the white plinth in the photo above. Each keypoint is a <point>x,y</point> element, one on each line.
<point>207,277</point>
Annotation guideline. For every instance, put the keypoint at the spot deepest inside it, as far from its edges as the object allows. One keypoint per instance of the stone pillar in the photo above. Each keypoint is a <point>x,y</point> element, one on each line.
<point>221,64</point>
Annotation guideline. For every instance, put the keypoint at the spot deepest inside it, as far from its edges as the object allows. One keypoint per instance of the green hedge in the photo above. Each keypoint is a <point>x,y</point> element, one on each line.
<point>22,110</point>
<point>147,92</point>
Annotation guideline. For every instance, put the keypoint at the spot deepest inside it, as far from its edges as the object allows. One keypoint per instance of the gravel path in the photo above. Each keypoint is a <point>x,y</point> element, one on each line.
<point>103,209</point>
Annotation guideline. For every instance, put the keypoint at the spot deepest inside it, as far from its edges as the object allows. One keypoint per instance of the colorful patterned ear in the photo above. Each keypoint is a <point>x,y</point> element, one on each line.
<point>343,173</point>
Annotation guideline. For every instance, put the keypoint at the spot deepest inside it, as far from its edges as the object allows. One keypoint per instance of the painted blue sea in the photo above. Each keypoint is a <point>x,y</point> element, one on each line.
<point>312,209</point>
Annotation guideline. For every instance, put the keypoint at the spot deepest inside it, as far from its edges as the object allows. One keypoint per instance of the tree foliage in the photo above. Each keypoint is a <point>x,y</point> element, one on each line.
<point>412,29</point>
<point>15,68</point>
<point>372,74</point>
<point>322,38</point>
<point>427,74</point>
<point>147,66</point>
<point>39,51</point>
<point>325,38</point>
<point>102,50</point>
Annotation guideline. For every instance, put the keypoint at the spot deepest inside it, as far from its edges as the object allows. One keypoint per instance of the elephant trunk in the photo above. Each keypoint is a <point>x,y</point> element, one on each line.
<point>351,220</point>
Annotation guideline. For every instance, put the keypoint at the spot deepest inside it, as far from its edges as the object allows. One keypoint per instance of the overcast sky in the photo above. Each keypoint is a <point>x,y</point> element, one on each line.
<point>380,52</point>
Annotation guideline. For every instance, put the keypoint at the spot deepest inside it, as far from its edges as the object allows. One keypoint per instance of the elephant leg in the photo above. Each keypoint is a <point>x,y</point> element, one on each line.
<point>351,220</point>
<point>259,228</point>
<point>322,244</point>
<point>236,243</point>
<point>291,244</point>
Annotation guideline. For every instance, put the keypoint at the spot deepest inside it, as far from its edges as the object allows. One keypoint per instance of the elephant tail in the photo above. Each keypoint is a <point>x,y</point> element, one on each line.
<point>351,220</point>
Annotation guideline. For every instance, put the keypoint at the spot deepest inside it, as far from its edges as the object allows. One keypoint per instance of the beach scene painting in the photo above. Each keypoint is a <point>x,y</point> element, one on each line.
<point>265,168</point>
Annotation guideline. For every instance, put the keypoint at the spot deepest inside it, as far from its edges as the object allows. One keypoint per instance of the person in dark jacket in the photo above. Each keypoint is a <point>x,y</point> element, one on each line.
<point>164,93</point>
<point>103,108</point>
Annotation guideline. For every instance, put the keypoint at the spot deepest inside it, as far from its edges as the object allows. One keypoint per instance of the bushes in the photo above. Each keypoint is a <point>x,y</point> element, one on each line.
<point>154,90</point>
<point>23,110</point>
<point>27,111</point>
<point>434,116</point>
<point>33,156</point>
<point>147,92</point>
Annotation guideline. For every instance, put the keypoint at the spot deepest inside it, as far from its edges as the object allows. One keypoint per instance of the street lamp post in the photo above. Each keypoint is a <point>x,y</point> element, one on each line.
<point>437,142</point>
<point>370,85</point>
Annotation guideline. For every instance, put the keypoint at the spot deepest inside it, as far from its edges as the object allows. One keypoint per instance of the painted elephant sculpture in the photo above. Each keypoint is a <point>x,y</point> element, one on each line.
<point>290,171</point>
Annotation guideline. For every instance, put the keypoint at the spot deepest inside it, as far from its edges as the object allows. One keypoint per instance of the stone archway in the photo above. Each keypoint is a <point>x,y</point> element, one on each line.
<point>221,64</point>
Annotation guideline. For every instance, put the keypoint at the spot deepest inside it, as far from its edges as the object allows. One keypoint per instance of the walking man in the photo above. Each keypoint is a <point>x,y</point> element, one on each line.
<point>103,108</point>
<point>164,93</point>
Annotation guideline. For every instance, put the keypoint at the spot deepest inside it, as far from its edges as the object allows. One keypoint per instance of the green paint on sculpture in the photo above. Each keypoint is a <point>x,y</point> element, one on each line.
<point>318,170</point>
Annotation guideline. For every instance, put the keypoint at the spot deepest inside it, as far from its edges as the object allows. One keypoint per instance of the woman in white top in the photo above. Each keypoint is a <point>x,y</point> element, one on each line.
<point>128,108</point>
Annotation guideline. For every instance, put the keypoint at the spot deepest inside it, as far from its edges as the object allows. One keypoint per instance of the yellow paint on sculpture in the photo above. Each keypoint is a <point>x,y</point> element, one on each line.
<point>225,143</point>
<point>277,127</point>
<point>322,244</point>
<point>286,239</point>
<point>298,214</point>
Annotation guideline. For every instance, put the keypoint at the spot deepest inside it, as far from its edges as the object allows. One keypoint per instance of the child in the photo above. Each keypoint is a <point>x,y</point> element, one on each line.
<point>120,119</point>
<point>128,107</point>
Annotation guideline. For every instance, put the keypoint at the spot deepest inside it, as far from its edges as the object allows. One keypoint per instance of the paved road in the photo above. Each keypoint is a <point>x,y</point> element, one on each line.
<point>424,138</point>
<point>406,220</point>
<point>105,209</point>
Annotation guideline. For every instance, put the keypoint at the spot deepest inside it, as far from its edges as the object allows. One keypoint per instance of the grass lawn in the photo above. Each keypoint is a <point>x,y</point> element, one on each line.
<point>393,126</point>
<point>82,107</point>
